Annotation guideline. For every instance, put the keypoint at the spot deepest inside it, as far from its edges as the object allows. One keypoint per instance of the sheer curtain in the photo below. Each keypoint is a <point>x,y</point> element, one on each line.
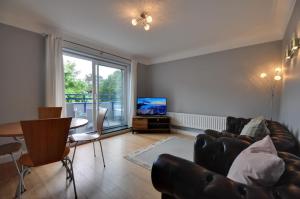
<point>55,88</point>
<point>132,91</point>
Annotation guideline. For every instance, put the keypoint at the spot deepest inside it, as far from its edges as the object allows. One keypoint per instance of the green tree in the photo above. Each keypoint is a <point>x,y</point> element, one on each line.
<point>89,81</point>
<point>110,89</point>
<point>73,85</point>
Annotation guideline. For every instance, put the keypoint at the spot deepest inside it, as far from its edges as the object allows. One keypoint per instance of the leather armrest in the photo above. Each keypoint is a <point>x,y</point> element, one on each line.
<point>217,154</point>
<point>212,133</point>
<point>182,179</point>
<point>217,134</point>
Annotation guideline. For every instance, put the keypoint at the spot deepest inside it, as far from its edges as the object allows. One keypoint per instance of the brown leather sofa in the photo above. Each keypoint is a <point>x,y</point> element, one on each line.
<point>177,178</point>
<point>283,139</point>
<point>205,178</point>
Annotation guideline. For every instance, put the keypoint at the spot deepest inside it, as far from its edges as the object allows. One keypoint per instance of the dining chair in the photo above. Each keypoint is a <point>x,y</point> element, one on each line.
<point>46,143</point>
<point>49,112</point>
<point>91,136</point>
<point>10,149</point>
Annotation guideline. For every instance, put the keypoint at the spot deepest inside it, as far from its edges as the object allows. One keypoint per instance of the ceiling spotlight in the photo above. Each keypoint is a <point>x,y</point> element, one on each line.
<point>149,19</point>
<point>147,27</point>
<point>134,22</point>
<point>145,19</point>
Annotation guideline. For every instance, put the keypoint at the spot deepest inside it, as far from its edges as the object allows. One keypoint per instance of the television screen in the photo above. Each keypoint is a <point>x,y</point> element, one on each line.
<point>151,106</point>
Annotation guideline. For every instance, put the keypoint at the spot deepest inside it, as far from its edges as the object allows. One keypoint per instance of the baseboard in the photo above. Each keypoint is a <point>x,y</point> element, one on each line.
<point>103,136</point>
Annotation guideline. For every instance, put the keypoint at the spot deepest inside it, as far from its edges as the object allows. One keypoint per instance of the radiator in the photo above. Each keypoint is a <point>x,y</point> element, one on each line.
<point>197,121</point>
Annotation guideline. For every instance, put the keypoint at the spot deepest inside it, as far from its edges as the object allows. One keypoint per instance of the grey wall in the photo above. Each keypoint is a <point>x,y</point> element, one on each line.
<point>21,73</point>
<point>142,80</point>
<point>290,103</point>
<point>223,83</point>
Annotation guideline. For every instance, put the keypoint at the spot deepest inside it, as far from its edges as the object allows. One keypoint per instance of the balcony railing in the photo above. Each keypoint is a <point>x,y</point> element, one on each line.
<point>81,105</point>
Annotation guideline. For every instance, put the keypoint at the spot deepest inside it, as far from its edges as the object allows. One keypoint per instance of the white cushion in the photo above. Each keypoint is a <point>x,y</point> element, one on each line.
<point>256,128</point>
<point>257,165</point>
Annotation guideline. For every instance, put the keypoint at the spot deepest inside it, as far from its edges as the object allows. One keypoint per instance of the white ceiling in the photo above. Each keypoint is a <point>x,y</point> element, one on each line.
<point>181,28</point>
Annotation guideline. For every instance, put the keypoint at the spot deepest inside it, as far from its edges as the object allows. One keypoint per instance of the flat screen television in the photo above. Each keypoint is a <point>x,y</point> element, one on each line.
<point>151,106</point>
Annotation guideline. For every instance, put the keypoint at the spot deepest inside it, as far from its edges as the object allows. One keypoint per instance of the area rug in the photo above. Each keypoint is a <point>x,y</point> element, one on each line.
<point>180,147</point>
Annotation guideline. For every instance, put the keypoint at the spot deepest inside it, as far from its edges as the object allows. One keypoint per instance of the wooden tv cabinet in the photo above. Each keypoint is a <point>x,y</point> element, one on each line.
<point>150,124</point>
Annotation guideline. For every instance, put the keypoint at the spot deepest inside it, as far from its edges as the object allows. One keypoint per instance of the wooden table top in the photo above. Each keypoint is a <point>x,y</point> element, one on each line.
<point>14,129</point>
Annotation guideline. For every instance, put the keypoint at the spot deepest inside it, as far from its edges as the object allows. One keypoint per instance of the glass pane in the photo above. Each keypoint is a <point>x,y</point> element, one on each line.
<point>79,89</point>
<point>111,95</point>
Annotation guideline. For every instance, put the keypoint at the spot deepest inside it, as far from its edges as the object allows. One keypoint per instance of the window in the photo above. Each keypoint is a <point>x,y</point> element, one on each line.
<point>90,84</point>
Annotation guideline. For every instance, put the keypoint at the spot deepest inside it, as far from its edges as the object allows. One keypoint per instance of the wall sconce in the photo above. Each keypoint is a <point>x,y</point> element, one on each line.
<point>292,48</point>
<point>294,44</point>
<point>288,54</point>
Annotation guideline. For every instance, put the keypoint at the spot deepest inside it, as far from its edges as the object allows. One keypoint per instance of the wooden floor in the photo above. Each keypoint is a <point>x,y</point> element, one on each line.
<point>120,179</point>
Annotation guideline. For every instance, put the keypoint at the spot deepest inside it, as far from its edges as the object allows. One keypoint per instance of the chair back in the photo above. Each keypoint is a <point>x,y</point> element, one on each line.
<point>100,119</point>
<point>49,112</point>
<point>46,139</point>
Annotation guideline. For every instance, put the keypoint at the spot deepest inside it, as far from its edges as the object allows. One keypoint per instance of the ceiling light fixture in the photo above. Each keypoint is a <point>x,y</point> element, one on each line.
<point>145,19</point>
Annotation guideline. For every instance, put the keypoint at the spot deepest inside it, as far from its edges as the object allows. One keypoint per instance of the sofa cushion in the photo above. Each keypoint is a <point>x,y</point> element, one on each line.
<point>257,165</point>
<point>256,128</point>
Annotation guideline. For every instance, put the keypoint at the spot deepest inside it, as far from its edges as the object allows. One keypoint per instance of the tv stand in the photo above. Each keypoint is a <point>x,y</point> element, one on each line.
<point>150,124</point>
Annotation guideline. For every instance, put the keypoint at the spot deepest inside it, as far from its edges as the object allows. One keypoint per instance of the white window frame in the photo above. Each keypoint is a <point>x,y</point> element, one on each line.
<point>107,63</point>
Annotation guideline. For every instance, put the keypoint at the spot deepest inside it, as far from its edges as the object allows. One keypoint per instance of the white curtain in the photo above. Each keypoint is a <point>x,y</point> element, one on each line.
<point>132,91</point>
<point>55,93</point>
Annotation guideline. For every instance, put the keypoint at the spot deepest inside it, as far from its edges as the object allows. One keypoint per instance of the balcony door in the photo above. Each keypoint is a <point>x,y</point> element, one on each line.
<point>110,85</point>
<point>90,84</point>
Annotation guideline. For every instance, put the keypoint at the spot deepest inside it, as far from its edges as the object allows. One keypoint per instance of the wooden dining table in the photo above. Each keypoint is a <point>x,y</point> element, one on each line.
<point>14,129</point>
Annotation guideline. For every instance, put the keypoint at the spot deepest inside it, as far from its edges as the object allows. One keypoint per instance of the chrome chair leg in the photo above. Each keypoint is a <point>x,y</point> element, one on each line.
<point>107,120</point>
<point>65,164</point>
<point>70,165</point>
<point>102,153</point>
<point>19,172</point>
<point>94,148</point>
<point>21,187</point>
<point>16,164</point>
<point>74,152</point>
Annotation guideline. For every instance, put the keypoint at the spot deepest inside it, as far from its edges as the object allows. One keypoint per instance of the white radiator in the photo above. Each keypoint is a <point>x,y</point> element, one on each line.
<point>196,121</point>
